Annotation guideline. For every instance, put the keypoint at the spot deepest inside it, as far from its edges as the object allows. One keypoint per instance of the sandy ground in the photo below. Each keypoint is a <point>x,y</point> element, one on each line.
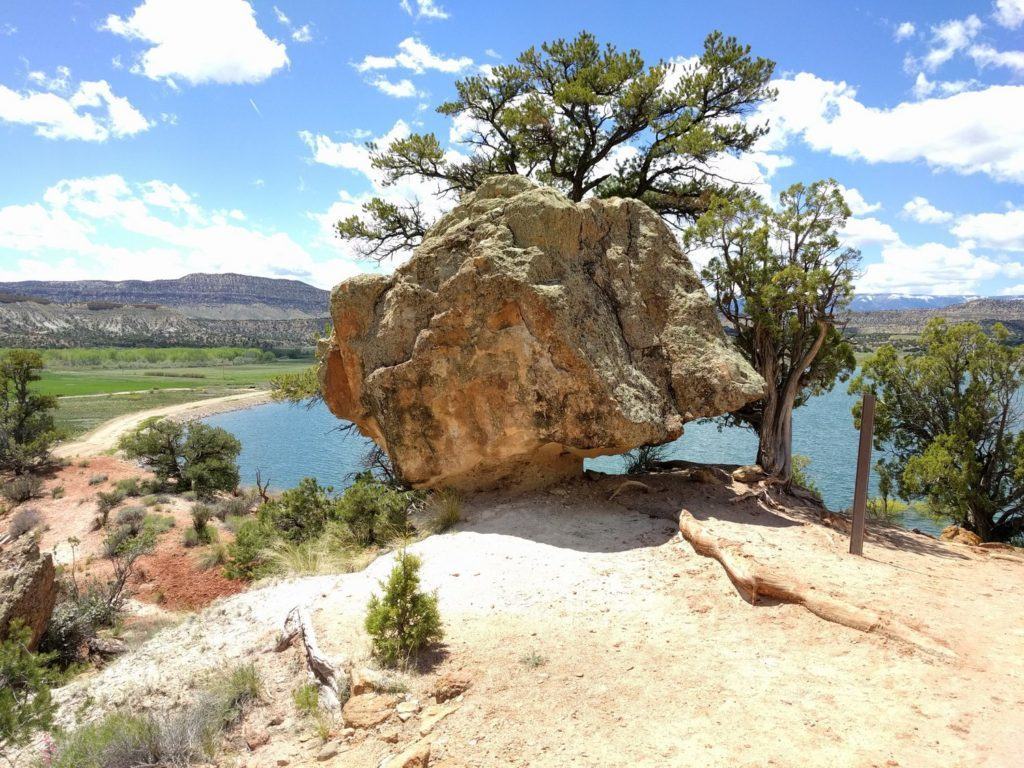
<point>104,438</point>
<point>644,653</point>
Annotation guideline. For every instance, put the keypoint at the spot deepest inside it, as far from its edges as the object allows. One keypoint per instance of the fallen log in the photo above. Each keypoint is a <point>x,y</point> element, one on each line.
<point>754,579</point>
<point>324,673</point>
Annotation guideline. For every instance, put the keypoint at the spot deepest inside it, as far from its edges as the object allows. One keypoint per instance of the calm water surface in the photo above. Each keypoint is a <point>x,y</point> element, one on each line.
<point>287,443</point>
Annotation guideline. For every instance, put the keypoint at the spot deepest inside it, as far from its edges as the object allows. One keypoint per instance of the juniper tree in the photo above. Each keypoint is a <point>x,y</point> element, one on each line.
<point>780,277</point>
<point>948,422</point>
<point>587,119</point>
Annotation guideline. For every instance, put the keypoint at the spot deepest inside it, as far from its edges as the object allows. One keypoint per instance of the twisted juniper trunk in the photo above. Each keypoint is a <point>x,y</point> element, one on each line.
<point>775,439</point>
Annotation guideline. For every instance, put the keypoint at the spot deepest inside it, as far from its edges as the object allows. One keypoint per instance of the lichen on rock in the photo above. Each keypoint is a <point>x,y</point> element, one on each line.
<point>526,333</point>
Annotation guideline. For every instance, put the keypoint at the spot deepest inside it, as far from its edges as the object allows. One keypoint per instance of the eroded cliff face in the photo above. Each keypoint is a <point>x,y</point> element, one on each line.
<point>526,333</point>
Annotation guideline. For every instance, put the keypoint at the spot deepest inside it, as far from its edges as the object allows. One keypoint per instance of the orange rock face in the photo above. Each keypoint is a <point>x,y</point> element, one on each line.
<point>527,333</point>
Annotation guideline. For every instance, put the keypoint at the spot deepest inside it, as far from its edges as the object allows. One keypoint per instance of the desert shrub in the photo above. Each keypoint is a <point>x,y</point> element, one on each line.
<point>57,492</point>
<point>77,616</point>
<point>239,688</point>
<point>105,503</point>
<point>307,699</point>
<point>247,554</point>
<point>202,532</point>
<point>800,477</point>
<point>643,459</point>
<point>234,522</point>
<point>533,659</point>
<point>372,512</point>
<point>23,521</point>
<point>446,509</point>
<point>131,518</point>
<point>215,556</point>
<point>403,620</point>
<point>237,506</point>
<point>129,486</point>
<point>25,703</point>
<point>22,488</point>
<point>97,479</point>
<point>190,537</point>
<point>300,513</point>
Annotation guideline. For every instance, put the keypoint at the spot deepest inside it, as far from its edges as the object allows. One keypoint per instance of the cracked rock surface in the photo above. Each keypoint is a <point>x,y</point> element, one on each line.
<point>526,333</point>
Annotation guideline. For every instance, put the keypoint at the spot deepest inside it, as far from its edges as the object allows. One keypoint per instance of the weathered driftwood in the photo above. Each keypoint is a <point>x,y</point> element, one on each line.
<point>754,579</point>
<point>324,673</point>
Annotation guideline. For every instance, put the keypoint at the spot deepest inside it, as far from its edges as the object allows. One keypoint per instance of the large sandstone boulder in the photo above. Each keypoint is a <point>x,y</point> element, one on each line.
<point>27,588</point>
<point>526,333</point>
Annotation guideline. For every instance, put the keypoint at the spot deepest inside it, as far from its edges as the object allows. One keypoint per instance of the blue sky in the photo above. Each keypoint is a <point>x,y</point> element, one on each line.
<point>150,138</point>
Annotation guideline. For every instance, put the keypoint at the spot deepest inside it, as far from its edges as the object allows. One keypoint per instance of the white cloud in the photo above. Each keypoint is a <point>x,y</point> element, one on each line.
<point>301,34</point>
<point>7,29</point>
<point>868,231</point>
<point>987,56</point>
<point>425,9</point>
<point>993,230</point>
<point>904,30</point>
<point>932,268</point>
<point>923,212</point>
<point>856,202</point>
<point>403,89</point>
<point>492,53</point>
<point>347,154</point>
<point>971,132</point>
<point>416,57</point>
<point>1009,13</point>
<point>77,229</point>
<point>923,87</point>
<point>59,82</point>
<point>200,41</point>
<point>948,38</point>
<point>91,113</point>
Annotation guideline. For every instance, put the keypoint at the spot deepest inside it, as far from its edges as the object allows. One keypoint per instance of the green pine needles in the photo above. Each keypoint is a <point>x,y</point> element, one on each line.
<point>404,620</point>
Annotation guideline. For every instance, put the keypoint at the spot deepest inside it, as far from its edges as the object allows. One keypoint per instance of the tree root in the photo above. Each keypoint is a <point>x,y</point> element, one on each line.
<point>754,579</point>
<point>299,624</point>
<point>630,485</point>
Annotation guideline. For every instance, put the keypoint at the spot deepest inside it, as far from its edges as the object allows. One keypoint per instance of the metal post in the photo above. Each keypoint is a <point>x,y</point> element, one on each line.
<point>860,490</point>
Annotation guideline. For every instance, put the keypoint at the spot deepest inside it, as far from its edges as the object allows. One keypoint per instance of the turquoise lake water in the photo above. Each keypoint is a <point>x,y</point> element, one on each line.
<point>287,443</point>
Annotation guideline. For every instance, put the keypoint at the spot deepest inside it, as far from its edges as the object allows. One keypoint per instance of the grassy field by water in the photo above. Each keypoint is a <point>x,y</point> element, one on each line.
<point>90,395</point>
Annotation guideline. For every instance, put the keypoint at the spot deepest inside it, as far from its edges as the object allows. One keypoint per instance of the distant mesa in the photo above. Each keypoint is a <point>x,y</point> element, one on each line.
<point>525,334</point>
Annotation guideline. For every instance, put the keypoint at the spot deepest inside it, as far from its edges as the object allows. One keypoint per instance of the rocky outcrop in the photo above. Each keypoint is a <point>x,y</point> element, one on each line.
<point>527,333</point>
<point>28,589</point>
<point>959,535</point>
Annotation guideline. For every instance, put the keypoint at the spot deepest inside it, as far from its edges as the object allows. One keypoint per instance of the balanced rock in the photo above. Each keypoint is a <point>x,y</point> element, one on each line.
<point>527,333</point>
<point>28,590</point>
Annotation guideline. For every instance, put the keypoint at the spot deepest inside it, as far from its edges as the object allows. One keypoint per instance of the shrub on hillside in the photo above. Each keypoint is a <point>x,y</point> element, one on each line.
<point>26,417</point>
<point>106,501</point>
<point>184,737</point>
<point>403,620</point>
<point>23,521</point>
<point>25,703</point>
<point>22,488</point>
<point>248,557</point>
<point>78,615</point>
<point>129,486</point>
<point>300,513</point>
<point>372,512</point>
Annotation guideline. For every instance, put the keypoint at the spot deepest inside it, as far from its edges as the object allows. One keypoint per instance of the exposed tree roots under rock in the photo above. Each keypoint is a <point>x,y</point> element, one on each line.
<point>324,673</point>
<point>754,579</point>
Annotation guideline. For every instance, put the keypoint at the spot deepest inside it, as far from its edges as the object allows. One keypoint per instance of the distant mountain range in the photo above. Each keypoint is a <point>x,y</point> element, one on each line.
<point>233,309</point>
<point>195,310</point>
<point>875,302</point>
<point>221,296</point>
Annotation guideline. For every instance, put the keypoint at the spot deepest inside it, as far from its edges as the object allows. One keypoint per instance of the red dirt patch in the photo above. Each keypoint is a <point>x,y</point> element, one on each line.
<point>173,577</point>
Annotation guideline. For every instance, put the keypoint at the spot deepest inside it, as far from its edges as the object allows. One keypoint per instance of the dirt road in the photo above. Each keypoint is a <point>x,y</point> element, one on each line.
<point>104,438</point>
